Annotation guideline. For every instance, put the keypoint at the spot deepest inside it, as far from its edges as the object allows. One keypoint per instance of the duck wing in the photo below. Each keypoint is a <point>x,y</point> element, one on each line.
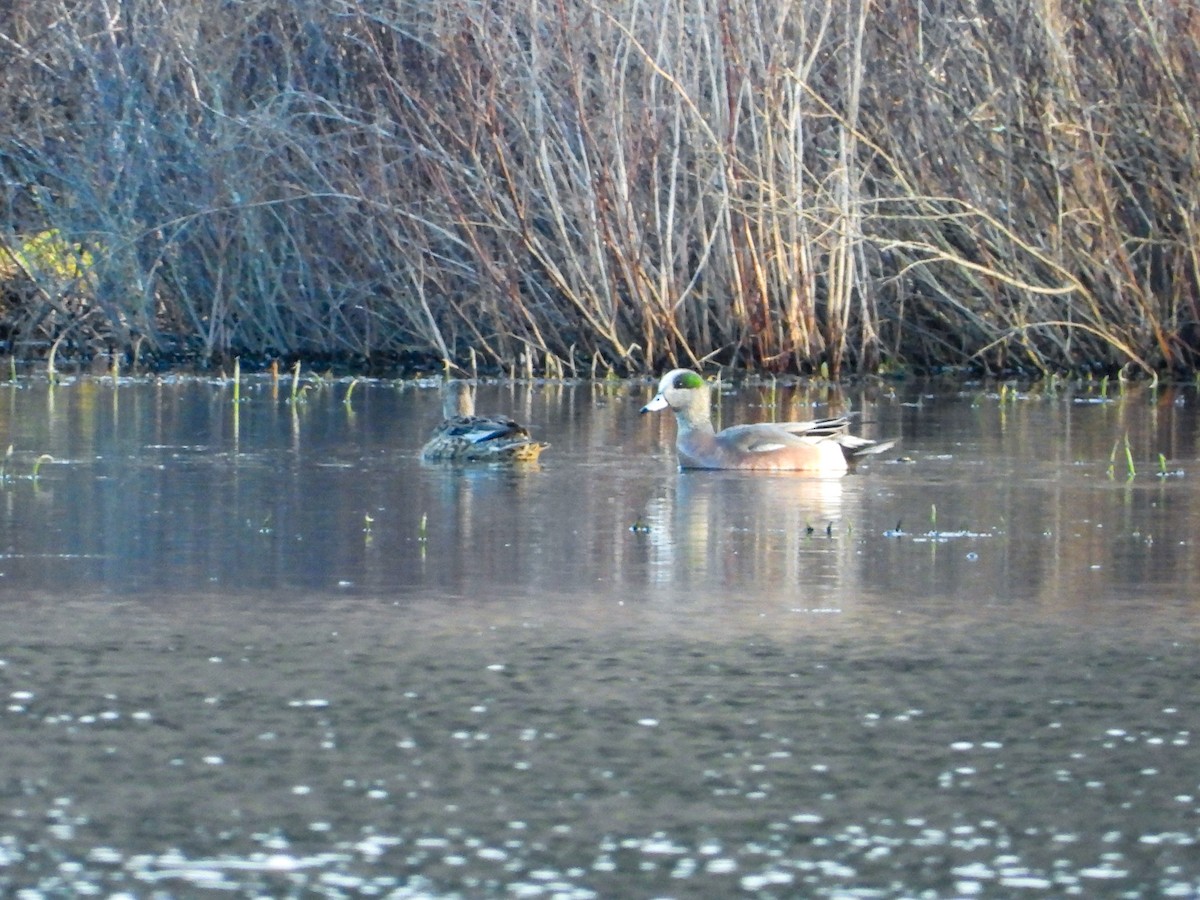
<point>764,437</point>
<point>837,429</point>
<point>816,428</point>
<point>478,429</point>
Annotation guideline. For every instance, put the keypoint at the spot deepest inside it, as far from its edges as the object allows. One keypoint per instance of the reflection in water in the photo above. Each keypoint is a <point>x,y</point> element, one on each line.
<point>153,489</point>
<point>737,531</point>
<point>234,660</point>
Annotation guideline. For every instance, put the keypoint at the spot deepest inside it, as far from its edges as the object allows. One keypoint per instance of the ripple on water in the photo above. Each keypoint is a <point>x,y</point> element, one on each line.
<point>754,867</point>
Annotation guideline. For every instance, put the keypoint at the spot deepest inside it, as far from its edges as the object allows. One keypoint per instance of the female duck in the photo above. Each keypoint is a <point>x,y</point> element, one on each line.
<point>821,447</point>
<point>466,437</point>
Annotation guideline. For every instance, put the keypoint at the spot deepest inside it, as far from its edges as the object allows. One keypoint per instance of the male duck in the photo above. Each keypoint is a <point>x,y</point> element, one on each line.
<point>466,437</point>
<point>820,447</point>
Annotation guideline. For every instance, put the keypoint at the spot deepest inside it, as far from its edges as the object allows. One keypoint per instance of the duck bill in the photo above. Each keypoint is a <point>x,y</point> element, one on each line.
<point>659,402</point>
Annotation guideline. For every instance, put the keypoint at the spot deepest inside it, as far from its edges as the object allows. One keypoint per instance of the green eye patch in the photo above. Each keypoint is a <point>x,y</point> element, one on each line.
<point>689,380</point>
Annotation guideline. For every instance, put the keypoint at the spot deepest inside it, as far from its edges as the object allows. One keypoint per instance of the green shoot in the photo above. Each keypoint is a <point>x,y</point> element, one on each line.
<point>1130,469</point>
<point>51,372</point>
<point>37,463</point>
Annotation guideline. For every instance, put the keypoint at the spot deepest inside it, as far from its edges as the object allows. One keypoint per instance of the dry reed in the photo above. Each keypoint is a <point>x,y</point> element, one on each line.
<point>562,184</point>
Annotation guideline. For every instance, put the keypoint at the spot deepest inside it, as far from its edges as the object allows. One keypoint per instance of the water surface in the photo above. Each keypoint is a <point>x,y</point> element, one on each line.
<point>262,649</point>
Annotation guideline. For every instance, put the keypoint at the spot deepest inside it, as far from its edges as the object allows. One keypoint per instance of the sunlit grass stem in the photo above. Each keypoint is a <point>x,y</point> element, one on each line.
<point>295,383</point>
<point>1130,469</point>
<point>51,372</point>
<point>37,464</point>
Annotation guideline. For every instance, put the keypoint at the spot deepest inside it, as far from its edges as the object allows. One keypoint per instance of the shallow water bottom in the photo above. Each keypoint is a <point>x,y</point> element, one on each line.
<point>385,750</point>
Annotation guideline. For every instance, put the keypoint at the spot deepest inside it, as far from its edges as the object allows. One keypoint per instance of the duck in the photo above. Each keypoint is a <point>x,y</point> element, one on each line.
<point>821,446</point>
<point>465,437</point>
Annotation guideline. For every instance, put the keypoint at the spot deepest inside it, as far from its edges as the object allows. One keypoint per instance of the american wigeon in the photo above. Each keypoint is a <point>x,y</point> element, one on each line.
<point>466,437</point>
<point>822,446</point>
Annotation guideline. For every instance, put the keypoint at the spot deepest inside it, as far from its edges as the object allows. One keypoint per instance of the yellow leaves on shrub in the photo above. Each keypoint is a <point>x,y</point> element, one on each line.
<point>45,255</point>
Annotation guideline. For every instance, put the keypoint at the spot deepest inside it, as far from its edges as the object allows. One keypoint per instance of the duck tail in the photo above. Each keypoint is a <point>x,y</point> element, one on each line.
<point>857,446</point>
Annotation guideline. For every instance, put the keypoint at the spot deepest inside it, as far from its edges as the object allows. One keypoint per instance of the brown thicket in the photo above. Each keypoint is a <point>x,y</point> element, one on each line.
<point>561,185</point>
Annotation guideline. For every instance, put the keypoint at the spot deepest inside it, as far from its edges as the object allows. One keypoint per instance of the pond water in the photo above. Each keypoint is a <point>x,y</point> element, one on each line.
<point>260,649</point>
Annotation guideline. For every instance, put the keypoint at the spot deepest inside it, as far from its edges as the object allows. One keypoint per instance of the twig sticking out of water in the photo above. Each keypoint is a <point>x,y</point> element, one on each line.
<point>295,383</point>
<point>1131,470</point>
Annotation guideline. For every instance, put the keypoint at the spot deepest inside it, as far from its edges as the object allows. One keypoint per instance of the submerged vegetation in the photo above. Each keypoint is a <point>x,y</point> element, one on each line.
<point>571,186</point>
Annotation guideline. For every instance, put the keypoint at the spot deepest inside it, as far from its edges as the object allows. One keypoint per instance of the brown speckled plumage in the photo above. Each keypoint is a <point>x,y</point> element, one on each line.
<point>465,437</point>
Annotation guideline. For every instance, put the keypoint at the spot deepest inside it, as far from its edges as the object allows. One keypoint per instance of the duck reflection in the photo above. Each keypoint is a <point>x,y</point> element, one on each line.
<point>736,529</point>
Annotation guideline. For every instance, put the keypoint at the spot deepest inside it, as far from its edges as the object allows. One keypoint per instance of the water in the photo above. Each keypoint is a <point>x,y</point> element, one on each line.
<point>234,662</point>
